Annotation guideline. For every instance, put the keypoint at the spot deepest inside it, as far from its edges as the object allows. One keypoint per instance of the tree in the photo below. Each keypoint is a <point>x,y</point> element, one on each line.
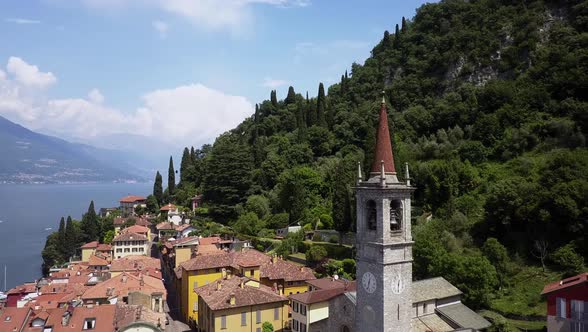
<point>90,225</point>
<point>158,188</point>
<point>274,98</point>
<point>321,106</point>
<point>497,255</point>
<point>404,24</point>
<point>568,259</point>
<point>108,236</point>
<point>291,97</point>
<point>341,201</point>
<point>248,224</point>
<point>61,238</point>
<point>267,327</point>
<point>152,204</point>
<point>316,254</point>
<point>540,252</point>
<point>71,238</point>
<point>171,177</point>
<point>184,165</point>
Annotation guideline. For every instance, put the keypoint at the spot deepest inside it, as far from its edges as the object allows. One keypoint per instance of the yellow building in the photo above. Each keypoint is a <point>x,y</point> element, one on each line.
<point>185,249</point>
<point>240,304</point>
<point>283,276</point>
<point>88,250</point>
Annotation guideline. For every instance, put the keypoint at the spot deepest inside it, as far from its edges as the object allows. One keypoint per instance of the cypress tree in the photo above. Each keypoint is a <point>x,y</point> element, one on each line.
<point>274,98</point>
<point>90,224</point>
<point>71,240</point>
<point>320,106</point>
<point>310,114</point>
<point>171,177</point>
<point>386,40</point>
<point>291,97</point>
<point>61,239</point>
<point>192,156</point>
<point>403,24</point>
<point>255,124</point>
<point>185,163</point>
<point>346,77</point>
<point>158,188</point>
<point>300,119</point>
<point>341,200</point>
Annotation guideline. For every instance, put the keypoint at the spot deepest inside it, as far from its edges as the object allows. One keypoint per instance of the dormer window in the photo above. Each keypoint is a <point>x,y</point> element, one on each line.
<point>371,215</point>
<point>89,324</point>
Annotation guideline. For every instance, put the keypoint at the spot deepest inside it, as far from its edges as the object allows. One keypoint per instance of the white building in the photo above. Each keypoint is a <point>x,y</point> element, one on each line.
<point>126,244</point>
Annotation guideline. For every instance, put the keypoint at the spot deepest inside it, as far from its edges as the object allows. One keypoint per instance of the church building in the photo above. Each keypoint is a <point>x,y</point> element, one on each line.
<point>386,298</point>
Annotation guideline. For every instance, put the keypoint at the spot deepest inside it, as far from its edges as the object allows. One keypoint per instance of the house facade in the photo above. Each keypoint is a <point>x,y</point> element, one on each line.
<point>567,304</point>
<point>129,203</point>
<point>130,244</point>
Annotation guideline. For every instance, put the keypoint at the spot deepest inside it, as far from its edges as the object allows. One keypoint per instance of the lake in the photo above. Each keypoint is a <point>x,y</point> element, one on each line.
<point>28,213</point>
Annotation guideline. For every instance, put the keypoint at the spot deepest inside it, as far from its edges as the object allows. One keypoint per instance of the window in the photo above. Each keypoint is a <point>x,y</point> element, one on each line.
<point>118,250</point>
<point>141,249</point>
<point>127,250</point>
<point>295,325</point>
<point>276,313</point>
<point>258,329</point>
<point>395,216</point>
<point>223,322</point>
<point>195,284</point>
<point>195,306</point>
<point>258,316</point>
<point>560,307</point>
<point>302,327</point>
<point>579,309</point>
<point>371,215</point>
<point>303,309</point>
<point>295,307</point>
<point>251,272</point>
<point>89,324</point>
<point>243,318</point>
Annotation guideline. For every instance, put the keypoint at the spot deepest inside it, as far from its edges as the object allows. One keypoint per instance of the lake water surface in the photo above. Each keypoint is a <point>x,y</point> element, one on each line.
<point>28,213</point>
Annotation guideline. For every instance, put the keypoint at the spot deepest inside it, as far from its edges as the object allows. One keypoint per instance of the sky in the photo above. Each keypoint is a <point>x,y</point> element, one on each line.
<point>175,71</point>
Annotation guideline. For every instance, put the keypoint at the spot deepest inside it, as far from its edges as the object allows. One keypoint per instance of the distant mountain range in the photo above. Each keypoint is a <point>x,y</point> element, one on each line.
<point>30,157</point>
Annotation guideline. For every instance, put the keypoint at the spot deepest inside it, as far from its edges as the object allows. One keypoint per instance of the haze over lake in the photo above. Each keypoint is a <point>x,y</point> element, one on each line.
<point>28,213</point>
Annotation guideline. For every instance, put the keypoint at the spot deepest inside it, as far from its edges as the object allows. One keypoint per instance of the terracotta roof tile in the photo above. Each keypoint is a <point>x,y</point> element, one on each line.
<point>209,240</point>
<point>323,294</point>
<point>12,319</point>
<point>136,229</point>
<point>133,263</point>
<point>167,207</point>
<point>104,247</point>
<point>246,292</point>
<point>383,150</point>
<point>97,261</point>
<point>165,226</point>
<point>121,285</point>
<point>90,245</point>
<point>183,227</point>
<point>132,199</point>
<point>327,283</point>
<point>130,237</point>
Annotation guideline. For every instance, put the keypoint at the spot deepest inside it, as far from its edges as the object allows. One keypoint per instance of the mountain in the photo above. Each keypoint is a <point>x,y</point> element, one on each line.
<point>30,157</point>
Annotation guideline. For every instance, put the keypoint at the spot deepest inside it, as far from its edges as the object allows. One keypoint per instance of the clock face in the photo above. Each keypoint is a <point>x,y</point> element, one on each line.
<point>397,284</point>
<point>368,280</point>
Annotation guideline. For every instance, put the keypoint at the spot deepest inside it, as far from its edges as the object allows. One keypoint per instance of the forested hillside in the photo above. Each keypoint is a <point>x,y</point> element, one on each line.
<point>487,105</point>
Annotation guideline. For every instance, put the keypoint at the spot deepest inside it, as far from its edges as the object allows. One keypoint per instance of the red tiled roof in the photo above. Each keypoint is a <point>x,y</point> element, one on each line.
<point>327,283</point>
<point>323,294</point>
<point>383,149</point>
<point>132,199</point>
<point>121,285</point>
<point>565,283</point>
<point>119,221</point>
<point>13,319</point>
<point>52,300</point>
<point>185,240</point>
<point>252,293</point>
<point>167,207</point>
<point>129,237</point>
<point>273,270</point>
<point>90,245</point>
<point>209,240</point>
<point>97,261</point>
<point>136,229</point>
<point>104,247</point>
<point>183,227</point>
<point>103,314</point>
<point>165,226</point>
<point>133,263</point>
<point>23,289</point>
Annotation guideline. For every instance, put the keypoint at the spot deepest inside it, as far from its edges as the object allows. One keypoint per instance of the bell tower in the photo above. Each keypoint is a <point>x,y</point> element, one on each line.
<point>384,242</point>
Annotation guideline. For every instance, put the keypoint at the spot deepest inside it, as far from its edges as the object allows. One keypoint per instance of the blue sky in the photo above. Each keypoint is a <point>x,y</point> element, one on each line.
<point>182,71</point>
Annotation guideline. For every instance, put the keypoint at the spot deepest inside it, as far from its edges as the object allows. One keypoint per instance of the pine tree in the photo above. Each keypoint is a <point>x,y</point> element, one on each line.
<point>171,177</point>
<point>311,118</point>
<point>291,97</point>
<point>320,106</point>
<point>71,239</point>
<point>403,24</point>
<point>90,224</point>
<point>274,98</point>
<point>184,165</point>
<point>386,40</point>
<point>396,36</point>
<point>192,156</point>
<point>300,119</point>
<point>256,119</point>
<point>158,188</point>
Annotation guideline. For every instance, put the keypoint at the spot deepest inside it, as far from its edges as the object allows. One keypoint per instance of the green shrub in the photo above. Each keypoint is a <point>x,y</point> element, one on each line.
<point>334,239</point>
<point>568,259</point>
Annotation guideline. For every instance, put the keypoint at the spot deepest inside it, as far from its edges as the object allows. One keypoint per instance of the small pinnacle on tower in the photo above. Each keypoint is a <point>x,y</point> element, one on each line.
<point>382,174</point>
<point>407,175</point>
<point>359,176</point>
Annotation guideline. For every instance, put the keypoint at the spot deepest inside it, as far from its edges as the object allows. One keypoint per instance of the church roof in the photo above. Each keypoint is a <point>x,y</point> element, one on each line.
<point>383,151</point>
<point>433,288</point>
<point>463,316</point>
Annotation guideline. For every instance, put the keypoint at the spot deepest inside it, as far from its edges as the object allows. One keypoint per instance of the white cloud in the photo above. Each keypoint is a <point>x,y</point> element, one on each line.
<point>212,14</point>
<point>29,75</point>
<point>95,96</point>
<point>21,21</point>
<point>161,28</point>
<point>189,115</point>
<point>271,83</point>
<point>2,75</point>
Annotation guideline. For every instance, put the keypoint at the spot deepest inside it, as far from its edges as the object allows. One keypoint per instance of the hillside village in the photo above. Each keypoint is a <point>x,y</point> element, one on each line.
<point>164,276</point>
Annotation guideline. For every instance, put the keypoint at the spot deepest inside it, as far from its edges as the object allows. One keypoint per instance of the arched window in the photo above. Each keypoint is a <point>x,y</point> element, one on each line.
<point>344,328</point>
<point>395,216</point>
<point>371,215</point>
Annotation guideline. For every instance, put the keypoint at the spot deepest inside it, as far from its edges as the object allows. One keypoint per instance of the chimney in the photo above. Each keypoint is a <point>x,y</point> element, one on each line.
<point>232,300</point>
<point>274,258</point>
<point>301,268</point>
<point>242,284</point>
<point>124,278</point>
<point>65,318</point>
<point>219,286</point>
<point>141,281</point>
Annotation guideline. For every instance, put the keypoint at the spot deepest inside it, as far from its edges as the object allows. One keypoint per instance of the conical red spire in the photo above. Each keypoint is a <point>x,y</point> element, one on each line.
<point>383,150</point>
